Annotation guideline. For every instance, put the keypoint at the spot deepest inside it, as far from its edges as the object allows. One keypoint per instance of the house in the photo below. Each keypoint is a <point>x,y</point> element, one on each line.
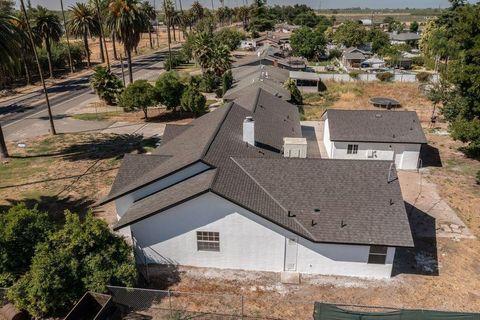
<point>272,56</point>
<point>374,135</point>
<point>353,57</point>
<point>248,44</point>
<point>410,38</point>
<point>306,81</point>
<point>373,62</point>
<point>236,189</point>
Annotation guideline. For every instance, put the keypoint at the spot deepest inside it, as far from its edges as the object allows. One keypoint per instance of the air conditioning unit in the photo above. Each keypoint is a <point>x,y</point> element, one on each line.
<point>295,147</point>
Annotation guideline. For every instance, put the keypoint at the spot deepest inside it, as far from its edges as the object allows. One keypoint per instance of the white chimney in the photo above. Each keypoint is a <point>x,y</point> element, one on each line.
<point>294,147</point>
<point>249,130</point>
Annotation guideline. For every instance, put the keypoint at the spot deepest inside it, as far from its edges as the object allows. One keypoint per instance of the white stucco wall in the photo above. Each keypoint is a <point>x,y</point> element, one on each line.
<point>123,203</point>
<point>405,155</point>
<point>247,242</point>
<point>326,138</point>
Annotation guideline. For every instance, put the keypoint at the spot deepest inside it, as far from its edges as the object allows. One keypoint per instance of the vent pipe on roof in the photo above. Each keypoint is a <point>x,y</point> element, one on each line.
<point>249,130</point>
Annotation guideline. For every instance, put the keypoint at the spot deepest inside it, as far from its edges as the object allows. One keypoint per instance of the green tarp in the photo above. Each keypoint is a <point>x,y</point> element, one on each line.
<point>325,311</point>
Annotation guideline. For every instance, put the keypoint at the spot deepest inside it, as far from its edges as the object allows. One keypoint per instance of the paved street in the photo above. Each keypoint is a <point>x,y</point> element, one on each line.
<point>26,116</point>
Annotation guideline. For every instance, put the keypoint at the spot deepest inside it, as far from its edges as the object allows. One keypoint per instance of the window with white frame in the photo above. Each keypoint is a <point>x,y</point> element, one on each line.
<point>352,149</point>
<point>208,241</point>
<point>377,254</point>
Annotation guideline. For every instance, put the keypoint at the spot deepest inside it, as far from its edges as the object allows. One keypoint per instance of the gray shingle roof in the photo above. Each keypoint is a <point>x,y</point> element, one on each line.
<point>248,87</point>
<point>375,126</point>
<point>348,201</point>
<point>261,180</point>
<point>404,36</point>
<point>164,199</point>
<point>173,130</point>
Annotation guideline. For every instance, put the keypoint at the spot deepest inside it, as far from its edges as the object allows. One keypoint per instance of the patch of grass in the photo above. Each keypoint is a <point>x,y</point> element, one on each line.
<point>461,166</point>
<point>100,116</point>
<point>348,87</point>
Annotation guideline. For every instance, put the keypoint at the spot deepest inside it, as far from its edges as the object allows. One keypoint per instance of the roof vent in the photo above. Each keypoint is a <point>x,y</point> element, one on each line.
<point>249,130</point>
<point>378,115</point>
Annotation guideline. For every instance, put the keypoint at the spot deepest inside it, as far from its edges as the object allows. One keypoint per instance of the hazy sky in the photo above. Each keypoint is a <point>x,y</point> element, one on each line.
<point>325,4</point>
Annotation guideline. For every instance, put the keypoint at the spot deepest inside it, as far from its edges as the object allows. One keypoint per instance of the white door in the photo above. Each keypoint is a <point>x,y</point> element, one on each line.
<point>291,247</point>
<point>398,155</point>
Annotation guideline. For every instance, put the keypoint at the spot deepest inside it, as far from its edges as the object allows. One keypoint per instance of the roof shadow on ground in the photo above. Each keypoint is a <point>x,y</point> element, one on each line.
<point>423,258</point>
<point>110,147</point>
<point>430,156</point>
<point>55,206</point>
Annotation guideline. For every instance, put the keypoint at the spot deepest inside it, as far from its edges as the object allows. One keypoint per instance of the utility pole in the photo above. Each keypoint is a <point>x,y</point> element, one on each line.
<point>68,40</point>
<point>34,48</point>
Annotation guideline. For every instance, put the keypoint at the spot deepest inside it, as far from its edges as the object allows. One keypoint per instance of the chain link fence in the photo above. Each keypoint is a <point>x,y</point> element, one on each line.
<point>175,305</point>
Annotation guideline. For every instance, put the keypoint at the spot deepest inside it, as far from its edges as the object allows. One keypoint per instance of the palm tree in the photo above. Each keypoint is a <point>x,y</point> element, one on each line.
<point>34,49</point>
<point>10,44</point>
<point>83,23</point>
<point>202,49</point>
<point>68,40</point>
<point>49,29</point>
<point>126,21</point>
<point>150,14</point>
<point>244,15</point>
<point>220,60</point>
<point>197,11</point>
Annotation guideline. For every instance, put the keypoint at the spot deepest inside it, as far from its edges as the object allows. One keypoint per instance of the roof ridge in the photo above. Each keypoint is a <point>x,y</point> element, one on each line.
<point>256,182</point>
<point>217,129</point>
<point>257,97</point>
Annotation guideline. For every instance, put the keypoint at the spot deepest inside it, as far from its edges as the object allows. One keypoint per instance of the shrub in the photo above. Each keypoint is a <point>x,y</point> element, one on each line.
<point>418,61</point>
<point>193,101</point>
<point>229,37</point>
<point>334,53</point>
<point>227,81</point>
<point>106,85</point>
<point>169,89</point>
<point>209,82</point>
<point>355,74</point>
<point>423,76</point>
<point>296,96</point>
<point>385,76</point>
<point>139,95</point>
<point>20,230</point>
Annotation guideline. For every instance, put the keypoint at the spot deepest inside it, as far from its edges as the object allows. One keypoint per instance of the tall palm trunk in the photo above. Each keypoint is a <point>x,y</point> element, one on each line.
<point>49,56</point>
<point>173,30</point>
<point>87,49</point>
<point>181,8</point>
<point>3,145</point>
<point>34,48</point>
<point>150,36</point>
<point>68,40</point>
<point>114,46</point>
<point>129,60</point>
<point>28,79</point>
<point>102,54</point>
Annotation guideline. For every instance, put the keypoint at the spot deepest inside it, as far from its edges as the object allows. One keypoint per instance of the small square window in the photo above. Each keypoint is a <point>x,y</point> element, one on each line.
<point>352,149</point>
<point>208,241</point>
<point>378,254</point>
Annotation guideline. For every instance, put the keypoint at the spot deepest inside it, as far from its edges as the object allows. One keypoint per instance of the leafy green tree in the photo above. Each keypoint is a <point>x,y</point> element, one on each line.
<point>350,34</point>
<point>139,95</point>
<point>295,93</point>
<point>83,23</point>
<point>48,28</point>
<point>229,37</point>
<point>307,19</point>
<point>169,89</point>
<point>379,39</point>
<point>106,85</point>
<point>393,24</point>
<point>127,21</point>
<point>308,43</point>
<point>193,101</point>
<point>20,230</point>
<point>414,26</point>
<point>82,256</point>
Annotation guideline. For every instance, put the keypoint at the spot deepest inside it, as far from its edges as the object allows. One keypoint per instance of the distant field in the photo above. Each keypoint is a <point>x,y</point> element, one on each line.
<point>378,15</point>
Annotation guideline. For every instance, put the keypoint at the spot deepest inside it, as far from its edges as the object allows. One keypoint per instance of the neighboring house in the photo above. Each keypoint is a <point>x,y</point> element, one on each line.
<point>286,28</point>
<point>373,62</point>
<point>306,81</point>
<point>272,56</point>
<point>233,190</point>
<point>248,87</point>
<point>353,57</point>
<point>410,38</point>
<point>374,135</point>
<point>249,44</point>
<point>366,22</point>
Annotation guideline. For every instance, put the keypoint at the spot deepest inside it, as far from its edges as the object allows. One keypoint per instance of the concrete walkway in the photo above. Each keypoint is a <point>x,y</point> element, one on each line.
<point>426,206</point>
<point>313,131</point>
